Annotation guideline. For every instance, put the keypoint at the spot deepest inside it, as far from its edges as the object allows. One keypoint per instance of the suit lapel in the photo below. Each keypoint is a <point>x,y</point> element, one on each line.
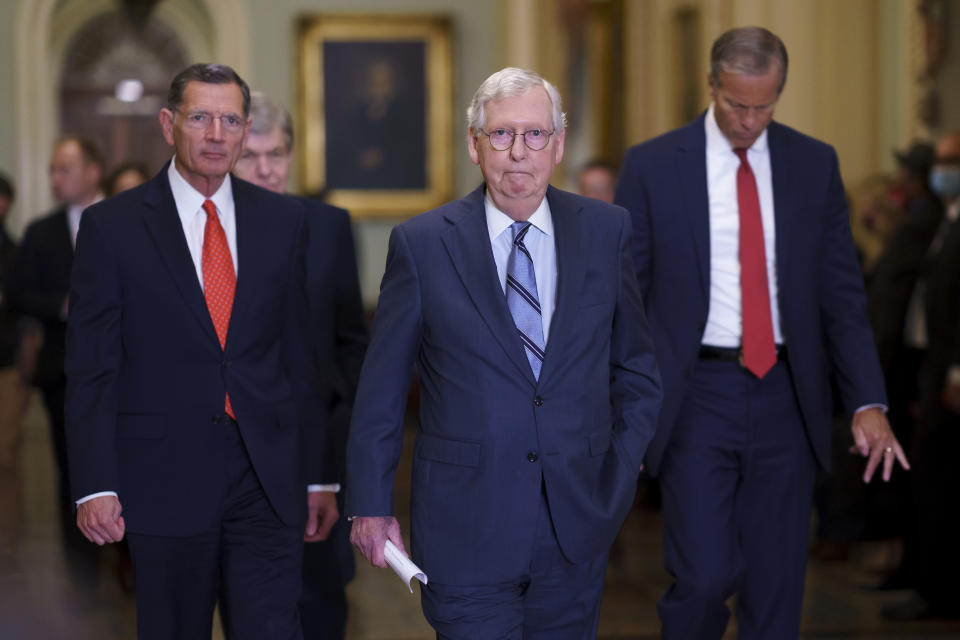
<point>570,272</point>
<point>163,224</point>
<point>691,162</point>
<point>783,198</point>
<point>250,230</point>
<point>467,243</point>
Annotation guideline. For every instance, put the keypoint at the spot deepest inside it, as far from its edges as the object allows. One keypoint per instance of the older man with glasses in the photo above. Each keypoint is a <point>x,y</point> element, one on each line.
<point>519,306</point>
<point>339,339</point>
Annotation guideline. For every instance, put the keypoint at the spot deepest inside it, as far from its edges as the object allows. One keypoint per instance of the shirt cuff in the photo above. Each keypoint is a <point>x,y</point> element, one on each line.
<point>333,488</point>
<point>875,405</point>
<point>96,495</point>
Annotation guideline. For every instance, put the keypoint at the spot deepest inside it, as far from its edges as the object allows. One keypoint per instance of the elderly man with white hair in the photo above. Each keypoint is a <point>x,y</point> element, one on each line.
<point>539,391</point>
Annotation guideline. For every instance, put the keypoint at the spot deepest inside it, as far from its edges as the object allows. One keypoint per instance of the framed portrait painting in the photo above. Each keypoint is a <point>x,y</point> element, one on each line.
<point>375,111</point>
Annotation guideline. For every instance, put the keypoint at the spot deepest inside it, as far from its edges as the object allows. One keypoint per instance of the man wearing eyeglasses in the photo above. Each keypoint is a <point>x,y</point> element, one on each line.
<point>339,339</point>
<point>189,396</point>
<point>539,390</point>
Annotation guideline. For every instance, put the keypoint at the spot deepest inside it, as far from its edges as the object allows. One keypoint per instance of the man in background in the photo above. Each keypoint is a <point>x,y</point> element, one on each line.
<point>935,485</point>
<point>597,179</point>
<point>39,287</point>
<point>337,327</point>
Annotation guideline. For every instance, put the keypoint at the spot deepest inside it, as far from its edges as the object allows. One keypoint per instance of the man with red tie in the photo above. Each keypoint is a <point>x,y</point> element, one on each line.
<point>744,255</point>
<point>190,402</point>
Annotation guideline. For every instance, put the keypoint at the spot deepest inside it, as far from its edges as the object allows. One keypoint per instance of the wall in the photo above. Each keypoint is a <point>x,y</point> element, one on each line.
<point>273,71</point>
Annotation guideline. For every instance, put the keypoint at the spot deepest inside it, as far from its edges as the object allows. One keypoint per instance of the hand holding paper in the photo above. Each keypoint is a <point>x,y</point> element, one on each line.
<point>402,565</point>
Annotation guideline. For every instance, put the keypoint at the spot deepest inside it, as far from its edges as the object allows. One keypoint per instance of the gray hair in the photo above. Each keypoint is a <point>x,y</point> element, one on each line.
<point>510,83</point>
<point>211,74</point>
<point>265,114</point>
<point>748,51</point>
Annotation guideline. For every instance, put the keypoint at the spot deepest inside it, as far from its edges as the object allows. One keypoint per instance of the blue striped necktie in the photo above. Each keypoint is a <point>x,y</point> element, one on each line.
<point>522,298</point>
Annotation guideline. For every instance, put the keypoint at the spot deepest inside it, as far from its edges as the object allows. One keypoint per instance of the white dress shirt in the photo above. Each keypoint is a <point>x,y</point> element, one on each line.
<point>74,213</point>
<point>725,320</point>
<point>189,203</point>
<point>542,245</point>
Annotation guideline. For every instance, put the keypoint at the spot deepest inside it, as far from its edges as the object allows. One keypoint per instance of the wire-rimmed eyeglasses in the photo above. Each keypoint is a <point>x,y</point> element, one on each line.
<point>231,122</point>
<point>502,139</point>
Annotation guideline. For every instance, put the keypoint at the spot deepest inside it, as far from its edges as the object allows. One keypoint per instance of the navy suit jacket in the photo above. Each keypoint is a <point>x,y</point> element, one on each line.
<point>146,374</point>
<point>821,297</point>
<point>490,434</point>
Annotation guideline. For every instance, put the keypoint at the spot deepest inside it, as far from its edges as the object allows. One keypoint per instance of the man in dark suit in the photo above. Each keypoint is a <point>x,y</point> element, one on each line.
<point>749,276</point>
<point>190,400</point>
<point>533,424</point>
<point>39,285</point>
<point>938,426</point>
<point>338,328</point>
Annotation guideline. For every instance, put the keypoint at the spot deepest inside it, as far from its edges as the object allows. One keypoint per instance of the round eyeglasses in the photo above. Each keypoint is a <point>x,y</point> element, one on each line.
<point>231,122</point>
<point>502,139</point>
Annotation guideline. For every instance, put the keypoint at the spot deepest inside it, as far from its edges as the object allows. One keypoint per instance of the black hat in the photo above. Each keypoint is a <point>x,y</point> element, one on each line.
<point>917,159</point>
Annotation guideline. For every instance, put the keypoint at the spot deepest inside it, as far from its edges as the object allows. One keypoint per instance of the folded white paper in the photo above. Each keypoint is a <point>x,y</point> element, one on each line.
<point>402,565</point>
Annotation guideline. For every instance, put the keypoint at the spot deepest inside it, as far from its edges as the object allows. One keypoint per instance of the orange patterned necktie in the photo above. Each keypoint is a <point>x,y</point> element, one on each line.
<point>759,349</point>
<point>219,279</point>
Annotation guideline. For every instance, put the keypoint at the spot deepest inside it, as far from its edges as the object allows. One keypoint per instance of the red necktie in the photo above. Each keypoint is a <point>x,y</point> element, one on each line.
<point>759,350</point>
<point>219,279</point>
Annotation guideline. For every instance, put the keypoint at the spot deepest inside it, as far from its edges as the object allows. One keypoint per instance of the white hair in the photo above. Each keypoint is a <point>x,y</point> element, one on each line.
<point>510,83</point>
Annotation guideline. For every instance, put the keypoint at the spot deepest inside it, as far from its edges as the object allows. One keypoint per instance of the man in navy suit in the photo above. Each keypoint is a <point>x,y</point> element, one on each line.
<point>39,285</point>
<point>337,327</point>
<point>749,276</point>
<point>538,386</point>
<point>190,400</point>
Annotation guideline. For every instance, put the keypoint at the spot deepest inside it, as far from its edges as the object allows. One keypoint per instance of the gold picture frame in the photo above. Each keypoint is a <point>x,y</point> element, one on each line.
<point>375,98</point>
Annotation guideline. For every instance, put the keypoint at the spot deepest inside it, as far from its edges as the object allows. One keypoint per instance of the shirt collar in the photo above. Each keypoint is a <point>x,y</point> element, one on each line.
<point>189,201</point>
<point>498,221</point>
<point>718,143</point>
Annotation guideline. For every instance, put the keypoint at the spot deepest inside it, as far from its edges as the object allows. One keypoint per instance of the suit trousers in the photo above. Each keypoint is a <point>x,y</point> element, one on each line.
<point>550,599</point>
<point>250,556</point>
<point>737,480</point>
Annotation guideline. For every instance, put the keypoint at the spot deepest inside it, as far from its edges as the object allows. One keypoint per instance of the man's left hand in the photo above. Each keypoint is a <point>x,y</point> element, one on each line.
<point>322,514</point>
<point>874,440</point>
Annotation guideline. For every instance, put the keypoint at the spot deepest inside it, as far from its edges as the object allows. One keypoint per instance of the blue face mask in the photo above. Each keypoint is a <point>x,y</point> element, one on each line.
<point>945,182</point>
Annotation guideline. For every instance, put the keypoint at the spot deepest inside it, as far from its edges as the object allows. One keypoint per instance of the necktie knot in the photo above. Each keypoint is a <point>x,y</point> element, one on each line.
<point>519,232</point>
<point>210,208</point>
<point>742,154</point>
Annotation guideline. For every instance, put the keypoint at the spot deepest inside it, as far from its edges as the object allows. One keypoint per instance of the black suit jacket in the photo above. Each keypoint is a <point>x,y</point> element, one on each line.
<point>943,311</point>
<point>39,284</point>
<point>340,340</point>
<point>8,319</point>
<point>146,373</point>
<point>896,275</point>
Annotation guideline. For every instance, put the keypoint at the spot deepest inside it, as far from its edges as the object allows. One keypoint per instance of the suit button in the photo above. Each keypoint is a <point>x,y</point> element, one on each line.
<point>532,456</point>
<point>538,401</point>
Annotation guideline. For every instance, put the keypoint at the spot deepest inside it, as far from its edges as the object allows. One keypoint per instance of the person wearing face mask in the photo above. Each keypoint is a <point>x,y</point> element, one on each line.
<point>938,426</point>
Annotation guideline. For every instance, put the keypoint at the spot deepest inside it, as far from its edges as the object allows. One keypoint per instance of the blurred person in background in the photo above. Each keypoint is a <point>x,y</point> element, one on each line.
<point>38,287</point>
<point>126,176</point>
<point>934,556</point>
<point>337,326</point>
<point>597,179</point>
